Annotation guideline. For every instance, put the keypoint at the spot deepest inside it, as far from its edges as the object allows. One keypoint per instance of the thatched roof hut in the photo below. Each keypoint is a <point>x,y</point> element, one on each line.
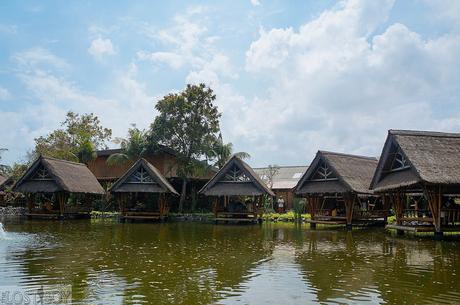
<point>410,158</point>
<point>422,162</point>
<point>49,175</point>
<point>332,173</point>
<point>142,177</point>
<point>236,178</point>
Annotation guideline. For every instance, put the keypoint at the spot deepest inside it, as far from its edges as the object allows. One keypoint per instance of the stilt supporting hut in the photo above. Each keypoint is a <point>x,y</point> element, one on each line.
<point>142,193</point>
<point>49,182</point>
<point>419,174</point>
<point>336,187</point>
<point>238,192</point>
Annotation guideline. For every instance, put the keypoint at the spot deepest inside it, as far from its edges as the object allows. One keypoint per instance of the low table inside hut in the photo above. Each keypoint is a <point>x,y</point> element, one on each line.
<point>237,209</point>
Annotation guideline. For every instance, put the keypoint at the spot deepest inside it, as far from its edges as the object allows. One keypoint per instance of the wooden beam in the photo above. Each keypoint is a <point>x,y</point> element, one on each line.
<point>349,200</point>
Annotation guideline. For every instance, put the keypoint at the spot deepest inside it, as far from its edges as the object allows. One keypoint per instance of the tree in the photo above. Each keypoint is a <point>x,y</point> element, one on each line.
<point>132,148</point>
<point>78,141</point>
<point>188,123</point>
<point>223,152</point>
<point>270,172</point>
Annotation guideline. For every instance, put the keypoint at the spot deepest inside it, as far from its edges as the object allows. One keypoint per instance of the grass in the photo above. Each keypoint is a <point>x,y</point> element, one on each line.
<point>288,216</point>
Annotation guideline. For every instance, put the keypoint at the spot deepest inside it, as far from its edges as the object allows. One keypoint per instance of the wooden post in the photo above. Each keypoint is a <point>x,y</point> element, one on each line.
<point>62,199</point>
<point>434,196</point>
<point>30,202</point>
<point>312,202</point>
<point>349,200</point>
<point>398,206</point>
<point>385,208</point>
<point>215,206</point>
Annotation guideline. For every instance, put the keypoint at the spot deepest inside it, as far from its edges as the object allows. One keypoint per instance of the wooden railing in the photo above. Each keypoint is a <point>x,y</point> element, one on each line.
<point>366,214</point>
<point>450,216</point>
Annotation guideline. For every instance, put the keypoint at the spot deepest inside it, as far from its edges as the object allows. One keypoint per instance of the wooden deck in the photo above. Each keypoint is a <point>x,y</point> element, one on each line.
<point>421,228</point>
<point>142,216</point>
<point>237,217</point>
<point>55,216</point>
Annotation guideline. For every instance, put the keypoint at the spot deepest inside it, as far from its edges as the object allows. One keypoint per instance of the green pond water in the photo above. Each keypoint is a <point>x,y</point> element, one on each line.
<point>195,263</point>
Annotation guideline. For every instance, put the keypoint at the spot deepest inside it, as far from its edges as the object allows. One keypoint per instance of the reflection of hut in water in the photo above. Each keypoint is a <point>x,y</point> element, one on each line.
<point>419,173</point>
<point>337,190</point>
<point>338,267</point>
<point>425,269</point>
<point>49,182</point>
<point>174,263</point>
<point>238,192</point>
<point>142,192</point>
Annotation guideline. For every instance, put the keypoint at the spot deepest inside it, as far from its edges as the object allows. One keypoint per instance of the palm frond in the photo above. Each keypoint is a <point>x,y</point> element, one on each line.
<point>117,159</point>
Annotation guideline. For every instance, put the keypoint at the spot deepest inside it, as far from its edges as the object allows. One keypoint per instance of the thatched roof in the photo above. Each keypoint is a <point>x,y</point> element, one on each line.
<point>5,182</point>
<point>285,178</point>
<point>235,178</point>
<point>428,157</point>
<point>2,179</point>
<point>337,173</point>
<point>142,177</point>
<point>49,175</point>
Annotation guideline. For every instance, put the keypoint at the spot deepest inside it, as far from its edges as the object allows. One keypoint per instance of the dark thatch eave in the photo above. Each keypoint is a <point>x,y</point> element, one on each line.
<point>161,184</point>
<point>215,187</point>
<point>433,158</point>
<point>2,180</point>
<point>353,173</point>
<point>111,151</point>
<point>5,182</point>
<point>65,176</point>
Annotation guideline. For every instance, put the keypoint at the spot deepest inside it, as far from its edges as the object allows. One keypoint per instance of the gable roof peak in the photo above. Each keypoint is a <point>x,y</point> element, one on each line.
<point>326,152</point>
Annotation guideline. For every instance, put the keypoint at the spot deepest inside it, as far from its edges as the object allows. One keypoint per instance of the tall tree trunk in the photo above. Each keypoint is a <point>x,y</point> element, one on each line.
<point>182,195</point>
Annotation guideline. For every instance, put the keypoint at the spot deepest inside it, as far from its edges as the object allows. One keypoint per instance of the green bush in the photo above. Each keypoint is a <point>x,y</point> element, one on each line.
<point>299,208</point>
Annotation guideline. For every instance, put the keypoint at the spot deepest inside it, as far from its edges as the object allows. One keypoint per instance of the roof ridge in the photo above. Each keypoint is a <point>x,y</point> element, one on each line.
<point>64,161</point>
<point>281,166</point>
<point>423,133</point>
<point>325,152</point>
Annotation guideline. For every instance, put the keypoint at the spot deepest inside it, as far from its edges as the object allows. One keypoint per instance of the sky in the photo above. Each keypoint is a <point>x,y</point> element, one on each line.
<point>291,77</point>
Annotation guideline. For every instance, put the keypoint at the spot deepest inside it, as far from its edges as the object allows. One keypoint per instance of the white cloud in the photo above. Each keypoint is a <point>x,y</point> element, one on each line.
<point>4,94</point>
<point>54,95</point>
<point>188,45</point>
<point>39,56</point>
<point>100,47</point>
<point>336,85</point>
<point>255,2</point>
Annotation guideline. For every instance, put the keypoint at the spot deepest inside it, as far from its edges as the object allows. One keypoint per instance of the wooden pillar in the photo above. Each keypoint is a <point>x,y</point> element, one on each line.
<point>312,202</point>
<point>434,196</point>
<point>397,200</point>
<point>385,206</point>
<point>30,202</point>
<point>215,206</point>
<point>349,200</point>
<point>160,204</point>
<point>62,200</point>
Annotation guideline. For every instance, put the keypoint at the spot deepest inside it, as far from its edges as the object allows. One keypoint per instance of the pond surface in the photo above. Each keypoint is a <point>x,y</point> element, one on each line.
<point>194,263</point>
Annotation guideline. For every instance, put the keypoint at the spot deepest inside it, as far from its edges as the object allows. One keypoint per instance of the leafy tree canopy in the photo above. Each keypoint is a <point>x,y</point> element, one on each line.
<point>187,122</point>
<point>78,140</point>
<point>132,148</point>
<point>221,153</point>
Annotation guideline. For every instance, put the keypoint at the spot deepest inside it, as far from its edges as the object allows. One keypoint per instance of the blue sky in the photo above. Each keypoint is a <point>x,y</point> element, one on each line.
<point>290,77</point>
